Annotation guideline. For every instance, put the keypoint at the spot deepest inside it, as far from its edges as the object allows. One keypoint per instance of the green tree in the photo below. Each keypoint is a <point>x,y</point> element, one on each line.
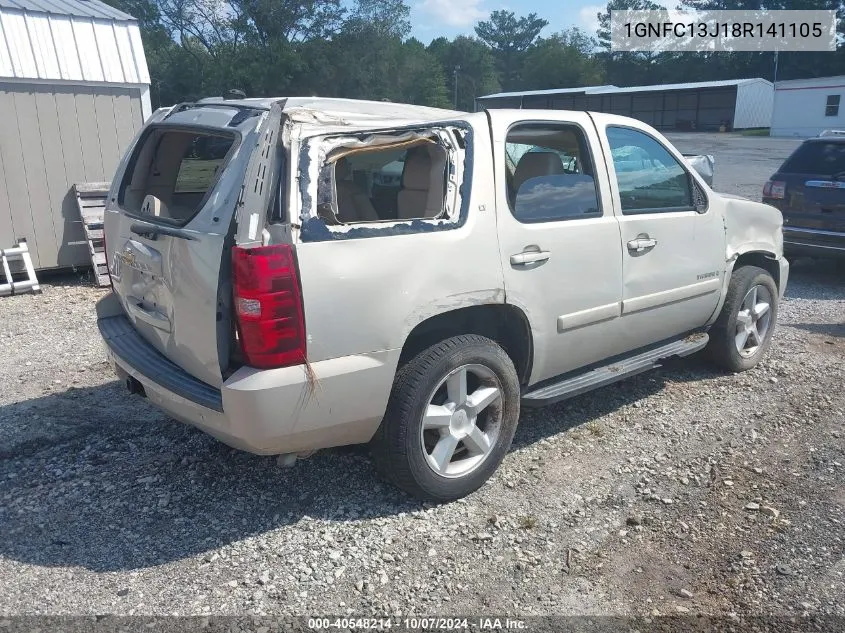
<point>476,74</point>
<point>421,78</point>
<point>790,65</point>
<point>387,17</point>
<point>629,69</point>
<point>509,37</point>
<point>563,60</point>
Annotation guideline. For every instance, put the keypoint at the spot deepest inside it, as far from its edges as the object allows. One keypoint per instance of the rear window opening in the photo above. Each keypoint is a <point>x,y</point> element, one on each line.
<point>172,172</point>
<point>390,184</point>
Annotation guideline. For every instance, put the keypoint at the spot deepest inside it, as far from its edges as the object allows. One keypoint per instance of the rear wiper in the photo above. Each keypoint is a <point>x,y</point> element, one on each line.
<point>152,232</point>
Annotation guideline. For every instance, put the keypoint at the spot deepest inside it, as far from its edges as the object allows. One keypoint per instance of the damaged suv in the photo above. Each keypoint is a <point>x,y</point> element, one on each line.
<point>296,274</point>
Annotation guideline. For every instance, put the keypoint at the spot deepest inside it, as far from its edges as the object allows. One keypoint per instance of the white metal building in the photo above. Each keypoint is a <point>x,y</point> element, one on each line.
<point>805,107</point>
<point>74,89</point>
<point>704,105</point>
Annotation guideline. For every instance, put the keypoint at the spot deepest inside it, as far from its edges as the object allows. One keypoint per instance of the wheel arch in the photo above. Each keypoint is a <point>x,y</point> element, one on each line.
<point>767,260</point>
<point>762,259</point>
<point>502,322</point>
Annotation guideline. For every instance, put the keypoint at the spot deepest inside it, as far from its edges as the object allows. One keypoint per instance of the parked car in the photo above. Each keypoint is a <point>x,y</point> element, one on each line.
<point>809,189</point>
<point>283,309</point>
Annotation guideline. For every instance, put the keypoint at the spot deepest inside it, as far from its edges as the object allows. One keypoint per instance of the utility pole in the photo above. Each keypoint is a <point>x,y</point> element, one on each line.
<point>457,70</point>
<point>776,69</point>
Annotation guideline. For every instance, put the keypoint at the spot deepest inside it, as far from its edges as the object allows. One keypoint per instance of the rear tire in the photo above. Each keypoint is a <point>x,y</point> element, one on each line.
<point>450,419</point>
<point>742,334</point>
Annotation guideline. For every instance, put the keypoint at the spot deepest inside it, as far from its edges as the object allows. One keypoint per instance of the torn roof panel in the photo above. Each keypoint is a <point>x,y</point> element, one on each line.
<point>347,112</point>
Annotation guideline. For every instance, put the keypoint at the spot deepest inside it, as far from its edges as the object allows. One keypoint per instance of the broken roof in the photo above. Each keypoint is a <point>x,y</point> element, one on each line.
<point>344,112</point>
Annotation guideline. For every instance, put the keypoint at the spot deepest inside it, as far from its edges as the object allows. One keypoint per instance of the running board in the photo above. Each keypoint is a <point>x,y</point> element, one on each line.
<point>613,372</point>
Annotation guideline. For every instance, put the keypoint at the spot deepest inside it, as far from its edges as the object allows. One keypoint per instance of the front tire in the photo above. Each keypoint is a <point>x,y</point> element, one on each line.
<point>742,334</point>
<point>450,419</point>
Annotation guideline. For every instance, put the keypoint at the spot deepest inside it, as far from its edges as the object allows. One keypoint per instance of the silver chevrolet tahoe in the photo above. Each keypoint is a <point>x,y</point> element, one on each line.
<point>295,274</point>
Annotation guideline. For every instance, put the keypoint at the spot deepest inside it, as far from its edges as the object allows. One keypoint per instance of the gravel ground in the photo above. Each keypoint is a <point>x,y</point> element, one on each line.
<point>684,490</point>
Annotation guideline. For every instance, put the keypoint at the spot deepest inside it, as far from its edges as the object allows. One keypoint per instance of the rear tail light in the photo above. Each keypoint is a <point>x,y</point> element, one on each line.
<point>774,189</point>
<point>268,305</point>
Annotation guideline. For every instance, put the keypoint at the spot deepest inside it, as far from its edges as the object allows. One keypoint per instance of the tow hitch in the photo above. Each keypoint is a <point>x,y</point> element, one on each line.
<point>134,387</point>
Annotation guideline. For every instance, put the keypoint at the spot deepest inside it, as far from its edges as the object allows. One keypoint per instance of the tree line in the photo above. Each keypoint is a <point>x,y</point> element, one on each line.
<point>198,48</point>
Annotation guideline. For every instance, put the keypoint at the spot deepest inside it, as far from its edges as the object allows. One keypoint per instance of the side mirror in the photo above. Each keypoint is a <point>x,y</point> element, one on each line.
<point>704,164</point>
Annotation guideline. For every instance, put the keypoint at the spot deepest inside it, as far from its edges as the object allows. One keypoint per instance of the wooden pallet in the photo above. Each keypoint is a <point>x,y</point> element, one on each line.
<point>91,200</point>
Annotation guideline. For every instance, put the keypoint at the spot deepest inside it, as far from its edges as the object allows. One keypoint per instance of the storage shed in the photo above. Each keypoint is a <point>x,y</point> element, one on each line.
<point>704,105</point>
<point>74,90</point>
<point>806,107</point>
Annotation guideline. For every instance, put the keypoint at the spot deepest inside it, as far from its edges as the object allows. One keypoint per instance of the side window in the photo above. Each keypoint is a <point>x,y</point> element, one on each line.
<point>831,107</point>
<point>649,178</point>
<point>549,173</point>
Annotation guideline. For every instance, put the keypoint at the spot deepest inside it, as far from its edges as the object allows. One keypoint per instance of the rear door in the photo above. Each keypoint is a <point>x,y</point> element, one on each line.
<point>170,224</point>
<point>558,237</point>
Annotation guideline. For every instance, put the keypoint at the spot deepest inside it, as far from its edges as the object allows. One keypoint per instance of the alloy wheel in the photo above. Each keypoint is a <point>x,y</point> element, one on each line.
<point>462,422</point>
<point>753,320</point>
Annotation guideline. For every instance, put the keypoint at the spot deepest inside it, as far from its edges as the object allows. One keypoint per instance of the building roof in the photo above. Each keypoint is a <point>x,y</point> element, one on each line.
<point>812,82</point>
<point>81,8</point>
<point>685,86</point>
<point>610,89</point>
<point>71,41</point>
<point>553,91</point>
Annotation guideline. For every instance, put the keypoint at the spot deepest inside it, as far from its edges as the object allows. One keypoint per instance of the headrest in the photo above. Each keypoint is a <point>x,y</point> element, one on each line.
<point>417,172</point>
<point>152,206</point>
<point>534,165</point>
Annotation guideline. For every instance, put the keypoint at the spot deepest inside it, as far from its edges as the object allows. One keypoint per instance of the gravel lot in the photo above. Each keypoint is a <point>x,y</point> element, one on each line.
<point>679,491</point>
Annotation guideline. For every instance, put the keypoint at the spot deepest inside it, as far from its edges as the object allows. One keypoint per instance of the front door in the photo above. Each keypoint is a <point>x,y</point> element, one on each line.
<point>558,237</point>
<point>672,244</point>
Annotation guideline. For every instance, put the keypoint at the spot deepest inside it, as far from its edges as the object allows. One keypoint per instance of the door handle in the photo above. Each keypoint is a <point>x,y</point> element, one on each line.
<point>641,244</point>
<point>529,257</point>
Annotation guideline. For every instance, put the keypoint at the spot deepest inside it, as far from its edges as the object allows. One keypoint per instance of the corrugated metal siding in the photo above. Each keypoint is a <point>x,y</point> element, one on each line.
<point>52,136</point>
<point>754,103</point>
<point>82,8</point>
<point>70,47</point>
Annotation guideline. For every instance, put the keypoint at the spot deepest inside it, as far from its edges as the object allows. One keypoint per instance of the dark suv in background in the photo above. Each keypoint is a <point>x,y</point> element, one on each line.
<point>809,189</point>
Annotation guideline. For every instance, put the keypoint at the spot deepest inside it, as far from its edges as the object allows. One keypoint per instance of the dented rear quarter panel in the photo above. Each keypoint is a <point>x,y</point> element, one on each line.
<point>365,294</point>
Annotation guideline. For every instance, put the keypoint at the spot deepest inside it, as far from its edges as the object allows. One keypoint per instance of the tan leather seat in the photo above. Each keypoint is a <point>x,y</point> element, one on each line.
<point>422,194</point>
<point>353,203</point>
<point>535,165</point>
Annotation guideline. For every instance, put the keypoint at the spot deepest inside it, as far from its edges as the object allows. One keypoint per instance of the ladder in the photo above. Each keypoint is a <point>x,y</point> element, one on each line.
<point>19,253</point>
<point>91,202</point>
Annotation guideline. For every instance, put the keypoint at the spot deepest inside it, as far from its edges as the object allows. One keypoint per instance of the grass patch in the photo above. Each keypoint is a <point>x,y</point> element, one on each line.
<point>595,428</point>
<point>759,131</point>
<point>527,522</point>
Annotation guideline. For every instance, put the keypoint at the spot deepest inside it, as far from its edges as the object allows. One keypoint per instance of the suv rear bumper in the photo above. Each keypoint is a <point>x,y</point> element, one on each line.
<point>267,412</point>
<point>813,242</point>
